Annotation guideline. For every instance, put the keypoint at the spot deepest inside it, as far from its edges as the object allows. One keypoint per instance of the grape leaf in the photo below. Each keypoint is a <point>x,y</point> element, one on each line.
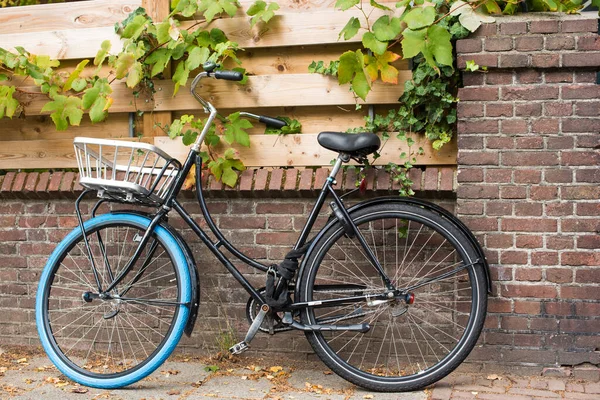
<point>8,105</point>
<point>351,29</point>
<point>103,52</point>
<point>197,57</point>
<point>235,130</point>
<point>79,84</point>
<point>346,4</point>
<point>370,42</point>
<point>418,18</point>
<point>189,137</point>
<point>134,28</point>
<point>386,29</point>
<point>135,75</point>
<point>259,11</point>
<point>75,74</point>
<point>412,42</point>
<point>98,109</point>
<point>124,62</point>
<point>66,110</point>
<point>375,4</point>
<point>159,60</point>
<point>352,69</point>
<point>180,76</point>
<point>389,73</point>
<point>438,42</point>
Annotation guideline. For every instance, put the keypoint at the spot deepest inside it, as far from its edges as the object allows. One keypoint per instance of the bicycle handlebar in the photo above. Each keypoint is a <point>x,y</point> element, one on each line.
<point>229,75</point>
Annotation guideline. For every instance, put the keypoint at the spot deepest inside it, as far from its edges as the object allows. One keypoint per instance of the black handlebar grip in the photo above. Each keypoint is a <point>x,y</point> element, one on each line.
<point>272,122</point>
<point>229,75</point>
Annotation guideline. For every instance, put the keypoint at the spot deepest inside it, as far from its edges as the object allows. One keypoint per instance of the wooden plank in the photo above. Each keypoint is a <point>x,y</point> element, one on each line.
<point>64,43</point>
<point>57,153</point>
<point>291,28</point>
<point>42,128</point>
<point>289,90</point>
<point>313,119</point>
<point>303,150</point>
<point>61,16</point>
<point>293,60</point>
<point>274,91</point>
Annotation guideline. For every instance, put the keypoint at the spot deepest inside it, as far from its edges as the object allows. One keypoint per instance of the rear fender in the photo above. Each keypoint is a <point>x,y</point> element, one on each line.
<point>189,257</point>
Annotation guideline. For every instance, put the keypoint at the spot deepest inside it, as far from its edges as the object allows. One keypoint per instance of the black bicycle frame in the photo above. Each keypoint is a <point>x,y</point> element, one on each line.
<point>172,203</point>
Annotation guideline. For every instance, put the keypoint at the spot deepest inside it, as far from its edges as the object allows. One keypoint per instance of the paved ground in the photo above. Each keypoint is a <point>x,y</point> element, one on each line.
<point>32,377</point>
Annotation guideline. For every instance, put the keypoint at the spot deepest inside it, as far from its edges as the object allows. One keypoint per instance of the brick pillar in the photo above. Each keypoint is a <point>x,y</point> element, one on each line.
<point>529,175</point>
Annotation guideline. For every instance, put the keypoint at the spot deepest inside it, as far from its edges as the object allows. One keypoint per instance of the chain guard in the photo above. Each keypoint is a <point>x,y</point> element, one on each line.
<point>252,309</point>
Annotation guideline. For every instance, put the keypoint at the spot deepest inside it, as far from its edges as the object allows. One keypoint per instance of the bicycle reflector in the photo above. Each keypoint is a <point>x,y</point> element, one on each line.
<point>362,187</point>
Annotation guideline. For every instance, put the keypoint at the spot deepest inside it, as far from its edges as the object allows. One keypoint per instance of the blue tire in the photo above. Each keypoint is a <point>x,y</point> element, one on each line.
<point>122,314</point>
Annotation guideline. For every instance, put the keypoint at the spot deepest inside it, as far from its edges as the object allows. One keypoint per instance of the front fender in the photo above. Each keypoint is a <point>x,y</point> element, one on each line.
<point>189,257</point>
<point>417,202</point>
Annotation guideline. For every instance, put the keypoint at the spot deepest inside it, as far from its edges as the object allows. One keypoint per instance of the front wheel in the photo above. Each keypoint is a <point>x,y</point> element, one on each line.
<point>115,339</point>
<point>422,332</point>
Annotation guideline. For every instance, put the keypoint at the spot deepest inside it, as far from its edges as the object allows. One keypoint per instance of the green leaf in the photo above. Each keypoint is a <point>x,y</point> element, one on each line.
<point>418,18</point>
<point>8,105</point>
<point>189,137</point>
<point>351,29</point>
<point>3,77</point>
<point>352,69</point>
<point>293,126</point>
<point>79,84</point>
<point>90,97</point>
<point>103,52</point>
<point>180,76</point>
<point>472,66</point>
<point>197,57</point>
<point>386,29</point>
<point>259,11</point>
<point>346,4</point>
<point>389,73</point>
<point>412,42</point>
<point>75,74</point>
<point>134,28</point>
<point>370,42</point>
<point>235,130</point>
<point>361,86</point>
<point>438,43</point>
<point>124,62</point>
<point>66,110</point>
<point>135,75</point>
<point>98,112</point>
<point>375,4</point>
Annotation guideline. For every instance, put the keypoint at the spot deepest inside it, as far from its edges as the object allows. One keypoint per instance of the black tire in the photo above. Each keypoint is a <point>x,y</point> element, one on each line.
<point>113,342</point>
<point>429,338</point>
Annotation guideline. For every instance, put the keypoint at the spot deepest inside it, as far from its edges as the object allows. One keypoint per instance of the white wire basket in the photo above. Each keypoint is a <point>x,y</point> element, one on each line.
<point>125,171</point>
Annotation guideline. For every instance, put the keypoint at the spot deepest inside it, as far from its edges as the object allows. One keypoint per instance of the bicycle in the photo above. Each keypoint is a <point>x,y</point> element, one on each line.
<point>391,293</point>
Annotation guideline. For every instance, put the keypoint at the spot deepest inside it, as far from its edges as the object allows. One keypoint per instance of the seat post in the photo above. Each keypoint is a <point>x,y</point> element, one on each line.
<point>342,158</point>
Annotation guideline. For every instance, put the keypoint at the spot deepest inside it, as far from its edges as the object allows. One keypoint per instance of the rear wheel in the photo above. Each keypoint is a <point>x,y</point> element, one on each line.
<point>115,339</point>
<point>431,323</point>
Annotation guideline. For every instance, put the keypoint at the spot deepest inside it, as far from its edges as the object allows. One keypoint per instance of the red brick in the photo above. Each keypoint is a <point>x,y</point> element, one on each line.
<point>513,60</point>
<point>581,225</point>
<point>580,326</point>
<point>477,158</point>
<point>513,28</point>
<point>558,175</point>
<point>588,141</point>
<point>494,142</point>
<point>243,223</point>
<point>513,323</point>
<point>66,185</point>
<point>514,126</point>
<point>530,93</point>
<point>528,109</point>
<point>545,60</point>
<point>306,179</point>
<point>558,76</point>
<point>529,241</point>
<point>579,258</point>
<point>543,193</point>
<point>276,179</point>
<point>246,178</point>
<point>544,258</point>
<point>499,240</point>
<point>513,192</point>
<point>581,92</point>
<point>415,175</point>
<point>431,179</point>
<point>514,257</point>
<point>585,77</point>
<point>536,291</point>
<point>470,208</point>
<point>580,158</point>
<point>588,175</point>
<point>559,275</point>
<point>529,158</point>
<point>469,110</point>
<point>587,309</point>
<point>527,225</point>
<point>487,60</point>
<point>588,242</point>
<point>499,110</point>
<point>54,183</point>
<point>275,238</point>
<point>588,42</point>
<point>559,209</point>
<point>528,209</point>
<point>529,76</point>
<point>481,223</point>
<point>543,26</point>
<point>545,126</point>
<point>530,143</point>
<point>582,25</point>
<point>485,30</point>
<point>478,94</point>
<point>528,274</point>
<point>468,46</point>
<point>498,175</point>
<point>528,176</point>
<point>5,189</point>
<point>529,43</point>
<point>280,208</point>
<point>447,179</point>
<point>19,184</point>
<point>214,184</point>
<point>470,142</point>
<point>527,307</point>
<point>588,275</point>
<point>260,179</point>
<point>478,192</point>
<point>498,208</point>
<point>560,42</point>
<point>497,305</point>
<point>501,273</point>
<point>587,109</point>
<point>580,292</point>
<point>559,242</point>
<point>560,142</point>
<point>499,78</point>
<point>470,175</point>
<point>473,79</point>
<point>498,44</point>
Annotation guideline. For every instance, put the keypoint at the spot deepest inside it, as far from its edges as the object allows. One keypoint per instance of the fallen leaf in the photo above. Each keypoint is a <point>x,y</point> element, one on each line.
<point>244,377</point>
<point>61,384</point>
<point>493,377</point>
<point>169,372</point>
<point>173,392</point>
<point>197,384</point>
<point>21,361</point>
<point>79,390</point>
<point>28,381</point>
<point>269,377</point>
<point>275,369</point>
<point>368,396</point>
<point>327,372</point>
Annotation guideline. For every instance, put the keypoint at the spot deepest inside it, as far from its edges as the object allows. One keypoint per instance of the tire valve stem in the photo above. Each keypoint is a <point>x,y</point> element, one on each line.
<point>409,298</point>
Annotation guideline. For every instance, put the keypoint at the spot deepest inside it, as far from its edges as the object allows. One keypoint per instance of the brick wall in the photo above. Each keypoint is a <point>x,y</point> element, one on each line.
<point>529,140</point>
<point>262,216</point>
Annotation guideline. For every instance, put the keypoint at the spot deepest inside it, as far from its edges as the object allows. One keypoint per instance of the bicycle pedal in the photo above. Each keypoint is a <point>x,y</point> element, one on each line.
<point>239,348</point>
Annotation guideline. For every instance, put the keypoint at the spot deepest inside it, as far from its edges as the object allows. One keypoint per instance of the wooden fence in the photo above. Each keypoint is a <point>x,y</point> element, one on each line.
<point>276,56</point>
